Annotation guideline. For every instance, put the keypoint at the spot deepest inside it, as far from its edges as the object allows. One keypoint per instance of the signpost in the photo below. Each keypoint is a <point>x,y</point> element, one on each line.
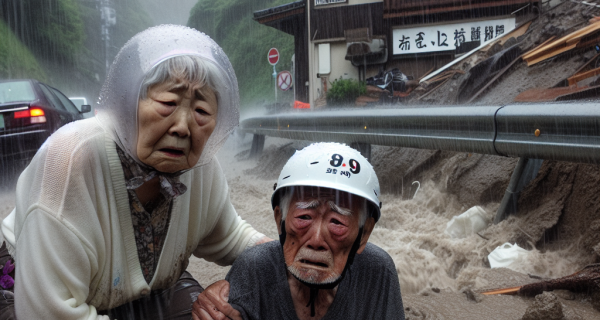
<point>273,57</point>
<point>284,80</point>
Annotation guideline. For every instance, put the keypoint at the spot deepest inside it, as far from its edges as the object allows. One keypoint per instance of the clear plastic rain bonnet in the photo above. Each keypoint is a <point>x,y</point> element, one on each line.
<point>118,103</point>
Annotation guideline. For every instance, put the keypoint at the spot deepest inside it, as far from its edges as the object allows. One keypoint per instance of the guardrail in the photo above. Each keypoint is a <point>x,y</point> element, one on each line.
<point>551,131</point>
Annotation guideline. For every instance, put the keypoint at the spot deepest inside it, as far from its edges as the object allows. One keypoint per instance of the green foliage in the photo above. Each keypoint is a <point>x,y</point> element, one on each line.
<point>246,42</point>
<point>16,61</point>
<point>345,91</point>
<point>52,29</point>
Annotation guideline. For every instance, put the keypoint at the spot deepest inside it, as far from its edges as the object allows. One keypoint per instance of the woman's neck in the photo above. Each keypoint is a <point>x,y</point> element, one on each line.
<point>148,191</point>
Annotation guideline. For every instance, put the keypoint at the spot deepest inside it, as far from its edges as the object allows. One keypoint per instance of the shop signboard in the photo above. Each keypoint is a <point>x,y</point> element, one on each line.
<point>448,37</point>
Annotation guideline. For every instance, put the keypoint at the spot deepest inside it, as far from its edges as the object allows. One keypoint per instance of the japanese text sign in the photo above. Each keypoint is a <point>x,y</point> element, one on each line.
<point>446,37</point>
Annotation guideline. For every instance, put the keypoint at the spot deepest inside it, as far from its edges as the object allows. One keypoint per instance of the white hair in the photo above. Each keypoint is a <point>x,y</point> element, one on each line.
<point>190,68</point>
<point>286,199</point>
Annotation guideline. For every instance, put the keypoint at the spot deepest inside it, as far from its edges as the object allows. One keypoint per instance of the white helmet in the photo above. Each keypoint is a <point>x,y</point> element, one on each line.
<point>331,165</point>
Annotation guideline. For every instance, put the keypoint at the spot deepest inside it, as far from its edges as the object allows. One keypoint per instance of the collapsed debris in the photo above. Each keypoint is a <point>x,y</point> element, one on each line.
<point>581,38</point>
<point>587,279</point>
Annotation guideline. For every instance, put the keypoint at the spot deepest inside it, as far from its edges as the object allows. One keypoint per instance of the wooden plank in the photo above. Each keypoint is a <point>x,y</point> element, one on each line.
<point>539,46</point>
<point>445,75</point>
<point>549,46</point>
<point>586,64</point>
<point>592,41</point>
<point>576,36</point>
<point>584,75</point>
<point>440,77</point>
<point>426,73</point>
<point>546,94</point>
<point>496,77</point>
<point>514,290</point>
<point>566,41</point>
<point>550,55</point>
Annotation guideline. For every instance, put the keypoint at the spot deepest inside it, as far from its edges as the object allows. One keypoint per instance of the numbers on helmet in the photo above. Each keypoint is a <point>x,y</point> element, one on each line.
<point>354,166</point>
<point>336,160</point>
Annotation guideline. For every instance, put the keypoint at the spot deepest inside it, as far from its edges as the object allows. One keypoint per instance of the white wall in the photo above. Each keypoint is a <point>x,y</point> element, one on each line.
<point>339,67</point>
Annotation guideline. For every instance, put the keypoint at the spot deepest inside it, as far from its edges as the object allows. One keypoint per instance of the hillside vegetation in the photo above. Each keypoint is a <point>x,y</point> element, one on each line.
<point>16,61</point>
<point>59,41</point>
<point>246,42</point>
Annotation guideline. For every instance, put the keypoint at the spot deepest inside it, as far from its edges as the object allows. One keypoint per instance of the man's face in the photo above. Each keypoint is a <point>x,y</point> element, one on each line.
<point>321,225</point>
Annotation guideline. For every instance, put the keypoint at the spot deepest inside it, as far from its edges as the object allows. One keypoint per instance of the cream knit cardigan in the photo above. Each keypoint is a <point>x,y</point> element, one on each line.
<point>72,237</point>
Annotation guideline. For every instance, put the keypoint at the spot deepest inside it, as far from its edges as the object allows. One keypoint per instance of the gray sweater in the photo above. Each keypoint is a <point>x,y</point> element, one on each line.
<point>260,290</point>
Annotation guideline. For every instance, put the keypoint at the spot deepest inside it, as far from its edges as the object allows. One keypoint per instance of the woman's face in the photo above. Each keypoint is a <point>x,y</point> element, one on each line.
<point>174,123</point>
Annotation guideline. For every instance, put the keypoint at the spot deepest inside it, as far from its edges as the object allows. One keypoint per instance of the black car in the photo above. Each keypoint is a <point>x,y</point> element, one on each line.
<point>30,112</point>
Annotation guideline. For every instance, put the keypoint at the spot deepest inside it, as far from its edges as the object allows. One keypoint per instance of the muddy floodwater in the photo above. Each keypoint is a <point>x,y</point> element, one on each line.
<point>434,269</point>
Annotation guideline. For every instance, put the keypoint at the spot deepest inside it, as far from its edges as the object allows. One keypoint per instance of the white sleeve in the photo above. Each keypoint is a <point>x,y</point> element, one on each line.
<point>230,234</point>
<point>54,270</point>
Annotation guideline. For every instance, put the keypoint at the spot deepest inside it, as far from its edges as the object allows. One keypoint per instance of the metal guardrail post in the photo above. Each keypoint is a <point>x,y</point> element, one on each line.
<point>363,148</point>
<point>525,171</point>
<point>258,144</point>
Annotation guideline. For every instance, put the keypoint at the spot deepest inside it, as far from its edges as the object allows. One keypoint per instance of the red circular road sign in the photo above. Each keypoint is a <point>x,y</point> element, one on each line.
<point>284,80</point>
<point>273,56</point>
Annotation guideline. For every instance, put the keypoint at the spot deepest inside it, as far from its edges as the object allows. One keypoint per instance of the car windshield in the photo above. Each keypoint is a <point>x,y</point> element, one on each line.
<point>16,91</point>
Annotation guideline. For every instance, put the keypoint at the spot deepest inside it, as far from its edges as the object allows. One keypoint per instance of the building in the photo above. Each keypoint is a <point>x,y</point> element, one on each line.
<point>358,38</point>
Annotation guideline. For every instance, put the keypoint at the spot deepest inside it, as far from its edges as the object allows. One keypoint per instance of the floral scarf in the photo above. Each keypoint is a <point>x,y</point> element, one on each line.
<point>150,220</point>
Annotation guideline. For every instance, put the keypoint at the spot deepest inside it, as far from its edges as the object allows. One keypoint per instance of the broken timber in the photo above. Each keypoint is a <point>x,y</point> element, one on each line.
<point>586,279</point>
<point>579,39</point>
<point>584,75</point>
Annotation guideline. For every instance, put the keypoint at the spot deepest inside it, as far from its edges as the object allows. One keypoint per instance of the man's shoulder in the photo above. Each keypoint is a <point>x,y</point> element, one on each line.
<point>375,257</point>
<point>261,255</point>
<point>262,264</point>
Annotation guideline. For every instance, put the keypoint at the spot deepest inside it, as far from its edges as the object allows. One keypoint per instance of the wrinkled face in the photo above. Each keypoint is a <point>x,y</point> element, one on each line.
<point>174,123</point>
<point>321,228</point>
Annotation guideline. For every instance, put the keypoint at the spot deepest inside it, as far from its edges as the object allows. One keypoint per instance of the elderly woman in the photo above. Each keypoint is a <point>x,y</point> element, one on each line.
<point>111,208</point>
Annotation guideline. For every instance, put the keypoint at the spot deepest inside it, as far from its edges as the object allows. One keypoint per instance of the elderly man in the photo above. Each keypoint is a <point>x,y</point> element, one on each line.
<point>326,203</point>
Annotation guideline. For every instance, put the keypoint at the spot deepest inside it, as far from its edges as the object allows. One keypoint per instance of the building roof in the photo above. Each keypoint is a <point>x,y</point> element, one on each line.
<point>408,8</point>
<point>280,12</point>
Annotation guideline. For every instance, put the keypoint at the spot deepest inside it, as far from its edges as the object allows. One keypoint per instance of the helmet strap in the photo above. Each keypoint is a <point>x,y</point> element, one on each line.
<point>282,235</point>
<point>314,287</point>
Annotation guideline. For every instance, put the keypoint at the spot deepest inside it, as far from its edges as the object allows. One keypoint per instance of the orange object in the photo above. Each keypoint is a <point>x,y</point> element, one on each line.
<point>36,112</point>
<point>584,75</point>
<point>537,132</point>
<point>513,290</point>
<point>301,105</point>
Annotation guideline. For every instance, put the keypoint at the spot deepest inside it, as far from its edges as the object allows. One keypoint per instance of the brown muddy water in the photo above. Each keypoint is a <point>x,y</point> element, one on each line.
<point>434,269</point>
